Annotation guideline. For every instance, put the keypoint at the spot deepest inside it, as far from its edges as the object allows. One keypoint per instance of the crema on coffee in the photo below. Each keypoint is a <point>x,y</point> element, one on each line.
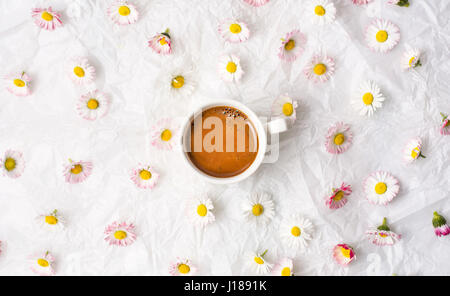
<point>223,142</point>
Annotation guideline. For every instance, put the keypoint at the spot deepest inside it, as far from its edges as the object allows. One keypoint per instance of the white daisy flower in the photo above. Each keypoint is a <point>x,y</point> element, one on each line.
<point>285,267</point>
<point>382,35</point>
<point>258,208</point>
<point>77,171</point>
<point>292,46</point>
<point>93,105</point>
<point>12,164</point>
<point>382,235</point>
<point>144,176</point>
<point>42,264</point>
<point>296,232</point>
<point>120,234</point>
<point>413,150</point>
<point>123,13</point>
<point>284,107</point>
<point>51,221</point>
<point>411,59</point>
<point>164,134</point>
<point>178,83</point>
<point>339,138</point>
<point>257,264</point>
<point>161,43</point>
<point>367,98</point>
<point>381,187</point>
<point>234,31</point>
<point>80,71</point>
<point>18,84</point>
<point>229,68</point>
<point>321,11</point>
<point>320,68</point>
<point>182,267</point>
<point>200,211</point>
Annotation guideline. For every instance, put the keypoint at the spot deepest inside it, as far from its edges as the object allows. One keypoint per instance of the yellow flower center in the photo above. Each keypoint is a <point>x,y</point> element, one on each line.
<point>289,45</point>
<point>382,234</point>
<point>120,234</point>
<point>178,82</point>
<point>124,10</point>
<point>42,262</point>
<point>47,16</point>
<point>257,209</point>
<point>145,175</point>
<point>202,210</point>
<point>411,61</point>
<point>288,109</point>
<point>19,82</point>
<point>338,196</point>
<point>231,67</point>
<point>78,71</point>
<point>339,139</point>
<point>166,135</point>
<point>415,152</point>
<point>163,41</point>
<point>320,69</point>
<point>295,231</point>
<point>184,268</point>
<point>10,164</point>
<point>345,252</point>
<point>92,104</point>
<point>380,188</point>
<point>381,36</point>
<point>235,28</point>
<point>286,271</point>
<point>259,260</point>
<point>76,169</point>
<point>319,10</point>
<point>367,98</point>
<point>52,220</point>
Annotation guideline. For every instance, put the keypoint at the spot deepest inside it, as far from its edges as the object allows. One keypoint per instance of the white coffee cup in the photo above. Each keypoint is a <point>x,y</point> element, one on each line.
<point>275,126</point>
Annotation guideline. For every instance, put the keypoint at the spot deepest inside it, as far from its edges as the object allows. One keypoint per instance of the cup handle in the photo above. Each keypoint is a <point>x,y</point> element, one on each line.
<point>277,126</point>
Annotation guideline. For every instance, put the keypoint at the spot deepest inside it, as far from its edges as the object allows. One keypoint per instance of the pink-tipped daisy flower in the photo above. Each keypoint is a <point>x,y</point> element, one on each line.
<point>12,164</point>
<point>445,126</point>
<point>120,234</point>
<point>182,267</point>
<point>413,150</point>
<point>123,13</point>
<point>338,197</point>
<point>292,46</point>
<point>18,84</point>
<point>234,31</point>
<point>285,267</point>
<point>320,68</point>
<point>77,171</point>
<point>46,18</point>
<point>256,3</point>
<point>42,264</point>
<point>381,188</point>
<point>339,138</point>
<point>144,176</point>
<point>440,225</point>
<point>361,2</point>
<point>343,254</point>
<point>93,105</point>
<point>382,35</point>
<point>80,71</point>
<point>382,235</point>
<point>164,134</point>
<point>161,43</point>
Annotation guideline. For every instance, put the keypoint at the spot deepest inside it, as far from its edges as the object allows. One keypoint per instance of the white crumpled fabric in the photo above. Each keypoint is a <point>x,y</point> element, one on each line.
<point>47,129</point>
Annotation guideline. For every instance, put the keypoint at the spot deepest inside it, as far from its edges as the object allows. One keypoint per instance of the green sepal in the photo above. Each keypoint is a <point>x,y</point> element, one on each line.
<point>166,33</point>
<point>404,3</point>
<point>444,117</point>
<point>418,64</point>
<point>384,226</point>
<point>438,220</point>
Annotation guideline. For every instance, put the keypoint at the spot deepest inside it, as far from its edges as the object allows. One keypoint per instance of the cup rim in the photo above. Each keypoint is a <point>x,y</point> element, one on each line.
<point>260,130</point>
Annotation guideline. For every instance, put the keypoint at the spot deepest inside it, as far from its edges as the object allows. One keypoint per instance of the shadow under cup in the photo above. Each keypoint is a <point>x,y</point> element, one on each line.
<point>221,141</point>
